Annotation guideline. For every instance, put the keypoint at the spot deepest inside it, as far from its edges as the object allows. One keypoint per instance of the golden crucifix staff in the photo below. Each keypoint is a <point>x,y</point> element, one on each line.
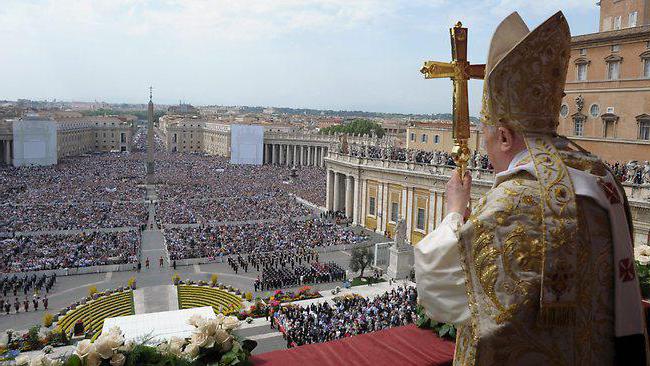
<point>459,71</point>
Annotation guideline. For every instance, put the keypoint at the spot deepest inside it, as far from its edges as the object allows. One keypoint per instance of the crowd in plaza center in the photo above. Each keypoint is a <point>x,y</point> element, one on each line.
<point>215,241</point>
<point>348,316</point>
<point>47,252</point>
<point>93,191</point>
<point>262,206</point>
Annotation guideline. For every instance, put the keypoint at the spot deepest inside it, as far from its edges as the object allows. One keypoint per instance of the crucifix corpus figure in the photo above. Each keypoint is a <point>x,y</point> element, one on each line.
<point>548,248</point>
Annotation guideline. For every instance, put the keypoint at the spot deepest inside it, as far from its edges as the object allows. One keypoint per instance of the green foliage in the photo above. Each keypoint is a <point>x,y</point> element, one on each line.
<point>148,355</point>
<point>73,360</point>
<point>58,337</point>
<point>360,259</point>
<point>444,330</point>
<point>643,271</point>
<point>358,126</point>
<point>32,339</point>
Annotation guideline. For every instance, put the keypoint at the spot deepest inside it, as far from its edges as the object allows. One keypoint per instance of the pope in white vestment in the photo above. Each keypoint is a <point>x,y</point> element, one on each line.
<point>541,272</point>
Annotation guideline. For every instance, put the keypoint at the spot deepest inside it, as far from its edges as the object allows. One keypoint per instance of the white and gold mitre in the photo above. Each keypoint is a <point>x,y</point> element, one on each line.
<point>525,74</point>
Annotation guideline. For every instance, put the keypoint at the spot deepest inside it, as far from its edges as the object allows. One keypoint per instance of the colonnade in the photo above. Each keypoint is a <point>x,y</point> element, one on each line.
<point>294,155</point>
<point>341,195</point>
<point>5,152</point>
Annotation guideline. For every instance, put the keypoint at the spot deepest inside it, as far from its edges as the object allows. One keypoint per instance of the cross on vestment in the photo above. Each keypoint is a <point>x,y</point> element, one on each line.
<point>459,70</point>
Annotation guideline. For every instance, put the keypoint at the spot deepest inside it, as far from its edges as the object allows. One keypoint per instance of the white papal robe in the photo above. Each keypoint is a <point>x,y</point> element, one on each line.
<point>484,275</point>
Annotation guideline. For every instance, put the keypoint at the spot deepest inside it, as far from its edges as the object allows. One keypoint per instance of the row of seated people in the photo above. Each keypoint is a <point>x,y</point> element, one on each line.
<point>316,272</point>
<point>274,259</point>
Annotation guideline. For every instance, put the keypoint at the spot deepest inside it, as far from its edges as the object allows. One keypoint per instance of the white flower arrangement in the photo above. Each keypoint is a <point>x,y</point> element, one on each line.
<point>108,346</point>
<point>642,254</point>
<point>40,360</point>
<point>211,339</point>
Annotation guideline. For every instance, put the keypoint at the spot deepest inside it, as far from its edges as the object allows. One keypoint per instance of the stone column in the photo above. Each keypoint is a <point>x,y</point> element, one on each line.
<point>337,192</point>
<point>329,191</point>
<point>295,154</point>
<point>5,158</point>
<point>274,154</point>
<point>308,155</point>
<point>349,196</point>
<point>283,149</point>
<point>356,209</point>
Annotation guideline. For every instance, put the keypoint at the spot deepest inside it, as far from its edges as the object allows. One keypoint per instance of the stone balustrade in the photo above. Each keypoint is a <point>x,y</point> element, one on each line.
<point>375,192</point>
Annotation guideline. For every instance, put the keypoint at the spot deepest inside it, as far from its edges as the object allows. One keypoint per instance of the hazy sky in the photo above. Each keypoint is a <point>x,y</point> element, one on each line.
<point>327,54</point>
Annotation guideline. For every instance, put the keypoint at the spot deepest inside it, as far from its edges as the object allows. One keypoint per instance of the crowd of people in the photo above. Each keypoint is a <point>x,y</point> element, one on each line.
<point>215,241</point>
<point>38,286</point>
<point>297,275</point>
<point>200,177</point>
<point>47,252</point>
<point>437,157</point>
<point>348,316</point>
<point>262,206</point>
<point>632,172</point>
<point>71,215</point>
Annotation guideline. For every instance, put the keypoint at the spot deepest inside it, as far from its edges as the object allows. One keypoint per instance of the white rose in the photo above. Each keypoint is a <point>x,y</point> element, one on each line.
<point>196,320</point>
<point>22,360</point>
<point>83,348</point>
<point>93,359</point>
<point>103,348</point>
<point>118,359</point>
<point>115,340</point>
<point>209,342</point>
<point>223,340</point>
<point>209,328</point>
<point>176,345</point>
<point>220,318</point>
<point>37,361</point>
<point>199,339</point>
<point>191,351</point>
<point>230,323</point>
<point>642,254</point>
<point>115,330</point>
<point>127,347</point>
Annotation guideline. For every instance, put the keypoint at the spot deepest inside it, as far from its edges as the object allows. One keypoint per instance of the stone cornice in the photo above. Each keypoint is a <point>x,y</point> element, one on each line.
<point>603,38</point>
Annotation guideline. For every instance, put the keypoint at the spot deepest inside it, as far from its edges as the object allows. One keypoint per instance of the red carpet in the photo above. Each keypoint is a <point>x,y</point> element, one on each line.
<point>406,345</point>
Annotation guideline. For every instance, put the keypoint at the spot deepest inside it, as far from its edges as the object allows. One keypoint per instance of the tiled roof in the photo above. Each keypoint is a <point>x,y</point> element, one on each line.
<point>613,35</point>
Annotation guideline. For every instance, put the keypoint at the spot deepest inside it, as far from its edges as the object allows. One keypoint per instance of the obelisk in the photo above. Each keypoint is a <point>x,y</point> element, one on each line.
<point>149,167</point>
